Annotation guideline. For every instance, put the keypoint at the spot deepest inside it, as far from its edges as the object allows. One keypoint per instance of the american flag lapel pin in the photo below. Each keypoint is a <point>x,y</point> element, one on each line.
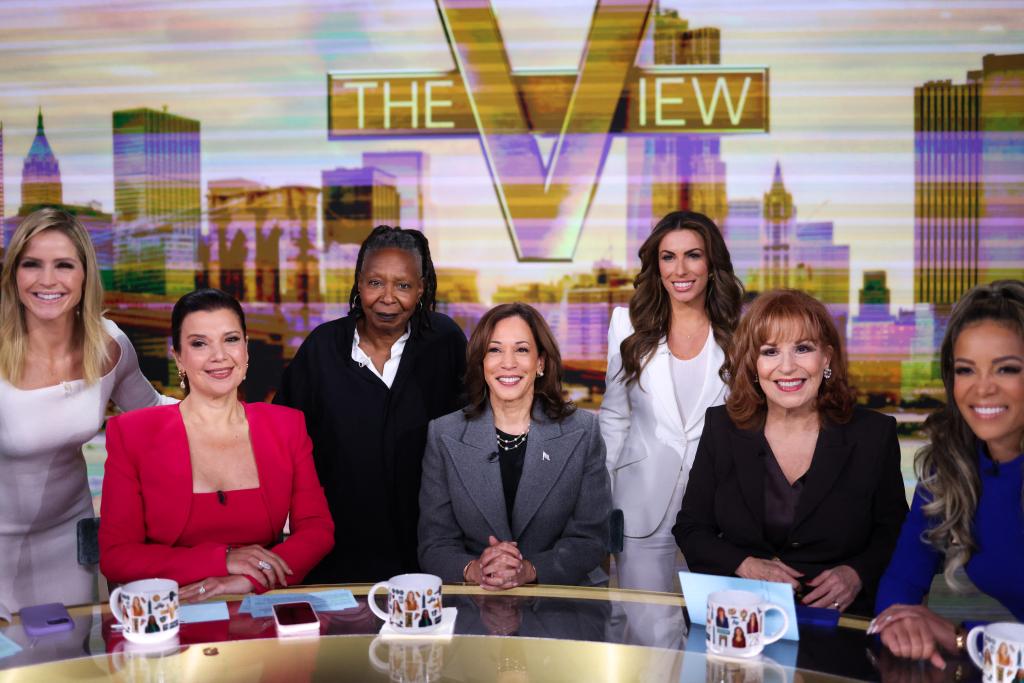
<point>545,456</point>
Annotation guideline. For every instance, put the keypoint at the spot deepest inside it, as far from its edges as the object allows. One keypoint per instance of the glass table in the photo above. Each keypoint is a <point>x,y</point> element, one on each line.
<point>539,633</point>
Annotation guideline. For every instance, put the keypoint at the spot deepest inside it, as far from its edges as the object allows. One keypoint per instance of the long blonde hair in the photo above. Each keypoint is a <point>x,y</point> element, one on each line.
<point>88,328</point>
<point>947,466</point>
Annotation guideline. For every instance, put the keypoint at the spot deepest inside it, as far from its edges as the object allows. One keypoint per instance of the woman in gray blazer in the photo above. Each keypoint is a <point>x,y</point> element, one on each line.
<point>514,487</point>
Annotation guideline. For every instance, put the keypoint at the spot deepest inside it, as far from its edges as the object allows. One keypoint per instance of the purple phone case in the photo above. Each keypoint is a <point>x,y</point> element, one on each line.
<point>41,620</point>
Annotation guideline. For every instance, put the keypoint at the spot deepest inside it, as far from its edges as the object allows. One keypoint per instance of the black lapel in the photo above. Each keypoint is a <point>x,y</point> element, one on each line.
<point>748,454</point>
<point>829,459</point>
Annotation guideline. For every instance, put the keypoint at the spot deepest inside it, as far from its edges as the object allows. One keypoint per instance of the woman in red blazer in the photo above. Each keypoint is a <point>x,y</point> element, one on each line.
<point>199,492</point>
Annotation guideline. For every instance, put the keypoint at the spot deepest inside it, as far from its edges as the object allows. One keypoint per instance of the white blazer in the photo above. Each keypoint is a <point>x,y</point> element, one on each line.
<point>646,440</point>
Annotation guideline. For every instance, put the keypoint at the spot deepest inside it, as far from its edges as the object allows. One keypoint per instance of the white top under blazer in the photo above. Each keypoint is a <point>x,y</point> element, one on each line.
<point>646,439</point>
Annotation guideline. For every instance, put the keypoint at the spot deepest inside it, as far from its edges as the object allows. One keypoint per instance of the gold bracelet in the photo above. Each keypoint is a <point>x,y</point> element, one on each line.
<point>465,571</point>
<point>961,639</point>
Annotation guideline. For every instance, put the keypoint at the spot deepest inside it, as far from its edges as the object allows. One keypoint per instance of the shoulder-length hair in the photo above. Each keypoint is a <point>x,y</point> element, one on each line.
<point>415,243</point>
<point>770,319</point>
<point>650,310</point>
<point>947,466</point>
<point>547,389</point>
<point>87,333</point>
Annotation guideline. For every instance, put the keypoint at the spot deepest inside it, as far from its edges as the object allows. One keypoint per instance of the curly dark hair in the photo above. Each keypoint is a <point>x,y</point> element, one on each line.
<point>767,318</point>
<point>650,310</point>
<point>547,389</point>
<point>412,241</point>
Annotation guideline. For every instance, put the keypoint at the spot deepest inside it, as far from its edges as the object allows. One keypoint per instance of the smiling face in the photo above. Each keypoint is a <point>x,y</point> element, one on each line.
<point>50,277</point>
<point>790,369</point>
<point>390,287</point>
<point>214,354</point>
<point>512,361</point>
<point>683,265</point>
<point>988,385</point>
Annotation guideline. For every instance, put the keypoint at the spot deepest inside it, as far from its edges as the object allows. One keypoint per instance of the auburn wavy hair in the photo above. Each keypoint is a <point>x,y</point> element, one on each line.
<point>773,317</point>
<point>650,310</point>
<point>547,389</point>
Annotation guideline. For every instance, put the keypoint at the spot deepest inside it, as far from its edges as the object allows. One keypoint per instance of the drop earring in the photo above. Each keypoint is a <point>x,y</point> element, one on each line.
<point>828,373</point>
<point>181,379</point>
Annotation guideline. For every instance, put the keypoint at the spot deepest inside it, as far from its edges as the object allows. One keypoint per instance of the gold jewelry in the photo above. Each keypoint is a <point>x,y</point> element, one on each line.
<point>465,572</point>
<point>181,379</point>
<point>961,639</point>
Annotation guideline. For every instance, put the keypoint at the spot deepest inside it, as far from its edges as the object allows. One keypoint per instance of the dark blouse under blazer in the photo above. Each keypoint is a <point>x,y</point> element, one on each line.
<point>850,510</point>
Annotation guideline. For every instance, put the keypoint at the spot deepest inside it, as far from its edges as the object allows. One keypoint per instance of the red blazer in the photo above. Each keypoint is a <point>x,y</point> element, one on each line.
<point>147,495</point>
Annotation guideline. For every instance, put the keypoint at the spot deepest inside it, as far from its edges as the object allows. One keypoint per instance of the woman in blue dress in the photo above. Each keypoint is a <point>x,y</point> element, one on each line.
<point>968,514</point>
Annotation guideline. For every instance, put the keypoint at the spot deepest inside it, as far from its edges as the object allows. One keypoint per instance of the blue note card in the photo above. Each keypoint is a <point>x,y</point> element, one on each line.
<point>324,601</point>
<point>697,587</point>
<point>8,647</point>
<point>204,611</point>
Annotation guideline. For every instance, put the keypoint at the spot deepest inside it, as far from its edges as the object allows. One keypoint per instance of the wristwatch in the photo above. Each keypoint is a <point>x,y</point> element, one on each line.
<point>961,638</point>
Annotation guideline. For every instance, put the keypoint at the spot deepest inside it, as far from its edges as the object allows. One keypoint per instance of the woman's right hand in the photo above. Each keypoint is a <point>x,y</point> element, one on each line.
<point>213,587</point>
<point>769,570</point>
<point>246,561</point>
<point>497,566</point>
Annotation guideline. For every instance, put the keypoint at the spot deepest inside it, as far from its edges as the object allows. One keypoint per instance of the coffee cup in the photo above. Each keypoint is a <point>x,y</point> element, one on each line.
<point>409,662</point>
<point>1001,659</point>
<point>147,609</point>
<point>414,602</point>
<point>735,623</point>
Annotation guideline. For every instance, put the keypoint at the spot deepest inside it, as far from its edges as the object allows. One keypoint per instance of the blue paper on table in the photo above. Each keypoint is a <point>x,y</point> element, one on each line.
<point>823,617</point>
<point>697,587</point>
<point>204,611</point>
<point>324,601</point>
<point>8,647</point>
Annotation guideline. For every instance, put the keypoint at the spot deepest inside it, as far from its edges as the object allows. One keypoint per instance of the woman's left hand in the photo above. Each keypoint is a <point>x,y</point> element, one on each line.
<point>835,588</point>
<point>215,585</point>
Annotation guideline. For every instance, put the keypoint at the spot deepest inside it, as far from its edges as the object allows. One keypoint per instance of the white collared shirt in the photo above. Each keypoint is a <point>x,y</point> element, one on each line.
<point>390,365</point>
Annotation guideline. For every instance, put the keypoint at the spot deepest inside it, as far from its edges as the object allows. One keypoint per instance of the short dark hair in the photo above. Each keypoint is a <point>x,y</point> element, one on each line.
<point>547,389</point>
<point>206,299</point>
<point>412,241</point>
<point>763,321</point>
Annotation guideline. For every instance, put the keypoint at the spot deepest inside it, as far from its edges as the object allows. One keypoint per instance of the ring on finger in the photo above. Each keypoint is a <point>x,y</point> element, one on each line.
<point>835,604</point>
<point>202,590</point>
<point>264,565</point>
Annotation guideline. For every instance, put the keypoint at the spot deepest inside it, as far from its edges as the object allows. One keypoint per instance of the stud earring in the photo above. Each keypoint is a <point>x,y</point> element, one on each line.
<point>756,379</point>
<point>828,373</point>
<point>181,379</point>
<point>540,373</point>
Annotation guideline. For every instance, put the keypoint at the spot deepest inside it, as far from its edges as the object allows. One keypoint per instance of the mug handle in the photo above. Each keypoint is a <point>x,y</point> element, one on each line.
<point>769,606</point>
<point>115,608</point>
<point>381,614</point>
<point>972,646</point>
<point>376,661</point>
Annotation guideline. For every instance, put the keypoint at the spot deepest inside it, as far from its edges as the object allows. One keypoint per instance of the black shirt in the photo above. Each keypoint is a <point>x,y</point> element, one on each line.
<point>780,500</point>
<point>511,462</point>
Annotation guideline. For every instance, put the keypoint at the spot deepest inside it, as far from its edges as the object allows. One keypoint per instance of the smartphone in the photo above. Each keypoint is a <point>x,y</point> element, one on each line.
<point>41,620</point>
<point>296,618</point>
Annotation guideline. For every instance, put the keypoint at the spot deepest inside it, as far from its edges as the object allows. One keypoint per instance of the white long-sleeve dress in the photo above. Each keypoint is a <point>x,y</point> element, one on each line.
<point>44,490</point>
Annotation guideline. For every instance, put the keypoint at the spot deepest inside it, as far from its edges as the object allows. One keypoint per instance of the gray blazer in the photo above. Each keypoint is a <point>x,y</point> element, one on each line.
<point>560,518</point>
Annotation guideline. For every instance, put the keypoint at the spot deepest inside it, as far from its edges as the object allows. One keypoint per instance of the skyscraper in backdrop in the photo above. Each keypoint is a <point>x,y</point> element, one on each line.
<point>156,201</point>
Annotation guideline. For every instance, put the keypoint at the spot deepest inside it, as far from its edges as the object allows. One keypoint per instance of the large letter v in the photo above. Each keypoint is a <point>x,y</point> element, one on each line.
<point>544,206</point>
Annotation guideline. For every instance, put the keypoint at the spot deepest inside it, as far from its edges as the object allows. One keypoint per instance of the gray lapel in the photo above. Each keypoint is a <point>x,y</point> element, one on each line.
<point>480,472</point>
<point>547,451</point>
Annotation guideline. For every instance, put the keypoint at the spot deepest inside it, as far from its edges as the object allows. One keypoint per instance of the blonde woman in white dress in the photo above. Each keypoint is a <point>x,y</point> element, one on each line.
<point>60,363</point>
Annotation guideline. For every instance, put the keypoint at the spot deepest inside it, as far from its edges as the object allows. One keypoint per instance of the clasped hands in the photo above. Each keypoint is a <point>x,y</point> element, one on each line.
<point>246,565</point>
<point>500,566</point>
<point>834,588</point>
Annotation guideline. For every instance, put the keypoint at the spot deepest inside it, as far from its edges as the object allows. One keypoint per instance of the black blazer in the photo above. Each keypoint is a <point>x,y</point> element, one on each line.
<point>850,510</point>
<point>368,440</point>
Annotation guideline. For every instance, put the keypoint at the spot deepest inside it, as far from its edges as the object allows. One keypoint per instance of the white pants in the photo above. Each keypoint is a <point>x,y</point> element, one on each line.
<point>651,562</point>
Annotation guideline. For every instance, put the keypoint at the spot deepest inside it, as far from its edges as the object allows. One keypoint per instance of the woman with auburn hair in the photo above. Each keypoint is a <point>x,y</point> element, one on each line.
<point>514,486</point>
<point>967,514</point>
<point>664,357</point>
<point>61,361</point>
<point>792,482</point>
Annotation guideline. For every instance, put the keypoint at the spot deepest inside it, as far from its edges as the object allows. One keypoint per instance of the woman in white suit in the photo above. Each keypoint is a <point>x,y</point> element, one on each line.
<point>665,354</point>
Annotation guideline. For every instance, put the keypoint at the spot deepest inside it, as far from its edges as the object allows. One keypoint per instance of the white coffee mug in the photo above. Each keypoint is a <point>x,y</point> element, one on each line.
<point>735,623</point>
<point>1002,655</point>
<point>414,602</point>
<point>147,609</point>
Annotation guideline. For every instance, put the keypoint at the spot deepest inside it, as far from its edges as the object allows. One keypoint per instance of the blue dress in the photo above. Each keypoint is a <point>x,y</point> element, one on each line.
<point>995,568</point>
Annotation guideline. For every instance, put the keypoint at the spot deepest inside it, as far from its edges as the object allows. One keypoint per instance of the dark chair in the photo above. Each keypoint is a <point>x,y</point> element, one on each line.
<point>89,541</point>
